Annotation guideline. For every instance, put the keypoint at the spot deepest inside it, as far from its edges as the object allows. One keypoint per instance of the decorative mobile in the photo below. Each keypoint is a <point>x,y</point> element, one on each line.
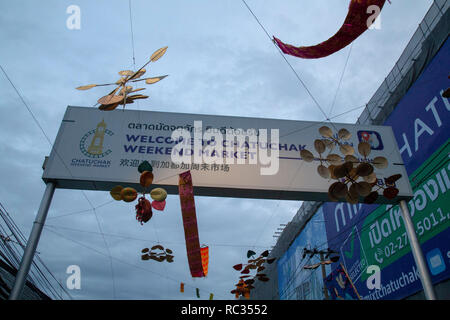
<point>243,287</point>
<point>144,207</point>
<point>358,20</point>
<point>196,260</point>
<point>348,169</point>
<point>121,95</point>
<point>157,253</point>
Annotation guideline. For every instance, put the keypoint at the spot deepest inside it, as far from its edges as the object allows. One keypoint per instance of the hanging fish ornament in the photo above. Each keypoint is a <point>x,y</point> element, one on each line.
<point>361,15</point>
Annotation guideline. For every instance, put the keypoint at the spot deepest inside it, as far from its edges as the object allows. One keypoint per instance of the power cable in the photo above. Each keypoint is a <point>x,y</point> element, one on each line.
<point>54,149</point>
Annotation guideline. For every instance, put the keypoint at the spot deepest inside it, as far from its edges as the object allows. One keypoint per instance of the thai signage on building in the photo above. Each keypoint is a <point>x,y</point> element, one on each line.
<point>375,235</point>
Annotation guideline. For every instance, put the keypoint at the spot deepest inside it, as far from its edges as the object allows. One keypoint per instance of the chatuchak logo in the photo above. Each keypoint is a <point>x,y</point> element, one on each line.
<point>92,146</point>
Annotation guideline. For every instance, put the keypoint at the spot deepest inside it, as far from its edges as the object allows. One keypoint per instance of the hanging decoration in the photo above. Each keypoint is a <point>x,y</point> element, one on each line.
<point>204,251</point>
<point>181,287</point>
<point>197,292</point>
<point>211,296</point>
<point>121,95</point>
<point>144,207</point>
<point>347,169</point>
<point>158,253</point>
<point>243,287</point>
<point>358,20</point>
<point>186,191</point>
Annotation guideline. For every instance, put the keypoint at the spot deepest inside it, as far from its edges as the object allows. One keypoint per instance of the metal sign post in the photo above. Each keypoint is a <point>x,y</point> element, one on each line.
<point>416,250</point>
<point>32,242</point>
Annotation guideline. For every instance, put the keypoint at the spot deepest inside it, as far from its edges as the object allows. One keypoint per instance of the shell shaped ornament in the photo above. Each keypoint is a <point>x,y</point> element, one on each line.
<point>355,177</point>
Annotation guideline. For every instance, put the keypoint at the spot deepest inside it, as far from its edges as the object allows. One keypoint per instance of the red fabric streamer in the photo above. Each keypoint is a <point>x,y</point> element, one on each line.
<point>355,24</point>
<point>186,191</point>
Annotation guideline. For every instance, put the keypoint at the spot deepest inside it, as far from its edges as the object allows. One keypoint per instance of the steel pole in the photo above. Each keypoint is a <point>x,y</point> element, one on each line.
<point>421,264</point>
<point>32,242</point>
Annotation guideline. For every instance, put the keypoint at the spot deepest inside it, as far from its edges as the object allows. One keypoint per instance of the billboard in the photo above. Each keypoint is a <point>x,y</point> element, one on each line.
<point>227,156</point>
<point>374,234</point>
<point>294,282</point>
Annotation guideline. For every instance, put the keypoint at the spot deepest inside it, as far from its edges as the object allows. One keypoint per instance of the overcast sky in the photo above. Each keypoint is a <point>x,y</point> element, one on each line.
<point>219,61</point>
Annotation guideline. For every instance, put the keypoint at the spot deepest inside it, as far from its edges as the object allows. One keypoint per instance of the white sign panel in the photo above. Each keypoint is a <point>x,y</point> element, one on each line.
<point>97,150</point>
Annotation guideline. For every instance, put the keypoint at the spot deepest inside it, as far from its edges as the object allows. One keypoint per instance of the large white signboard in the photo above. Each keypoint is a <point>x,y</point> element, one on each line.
<point>97,150</point>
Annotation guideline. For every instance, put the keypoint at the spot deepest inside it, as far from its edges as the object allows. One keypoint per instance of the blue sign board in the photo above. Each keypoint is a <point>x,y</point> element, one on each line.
<point>374,234</point>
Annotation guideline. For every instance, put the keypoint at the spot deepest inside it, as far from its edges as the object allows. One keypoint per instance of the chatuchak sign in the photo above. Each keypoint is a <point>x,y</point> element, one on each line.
<point>227,156</point>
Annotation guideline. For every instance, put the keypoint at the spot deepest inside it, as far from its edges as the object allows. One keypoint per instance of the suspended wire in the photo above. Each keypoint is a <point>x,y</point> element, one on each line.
<point>279,202</point>
<point>148,240</point>
<point>341,78</point>
<point>80,211</point>
<point>313,124</point>
<point>54,149</point>
<point>125,262</point>
<point>290,66</point>
<point>21,239</point>
<point>109,253</point>
<point>132,33</point>
<point>35,278</point>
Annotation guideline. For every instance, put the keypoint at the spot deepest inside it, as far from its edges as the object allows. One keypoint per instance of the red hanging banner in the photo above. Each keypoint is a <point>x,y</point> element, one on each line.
<point>186,191</point>
<point>359,18</point>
